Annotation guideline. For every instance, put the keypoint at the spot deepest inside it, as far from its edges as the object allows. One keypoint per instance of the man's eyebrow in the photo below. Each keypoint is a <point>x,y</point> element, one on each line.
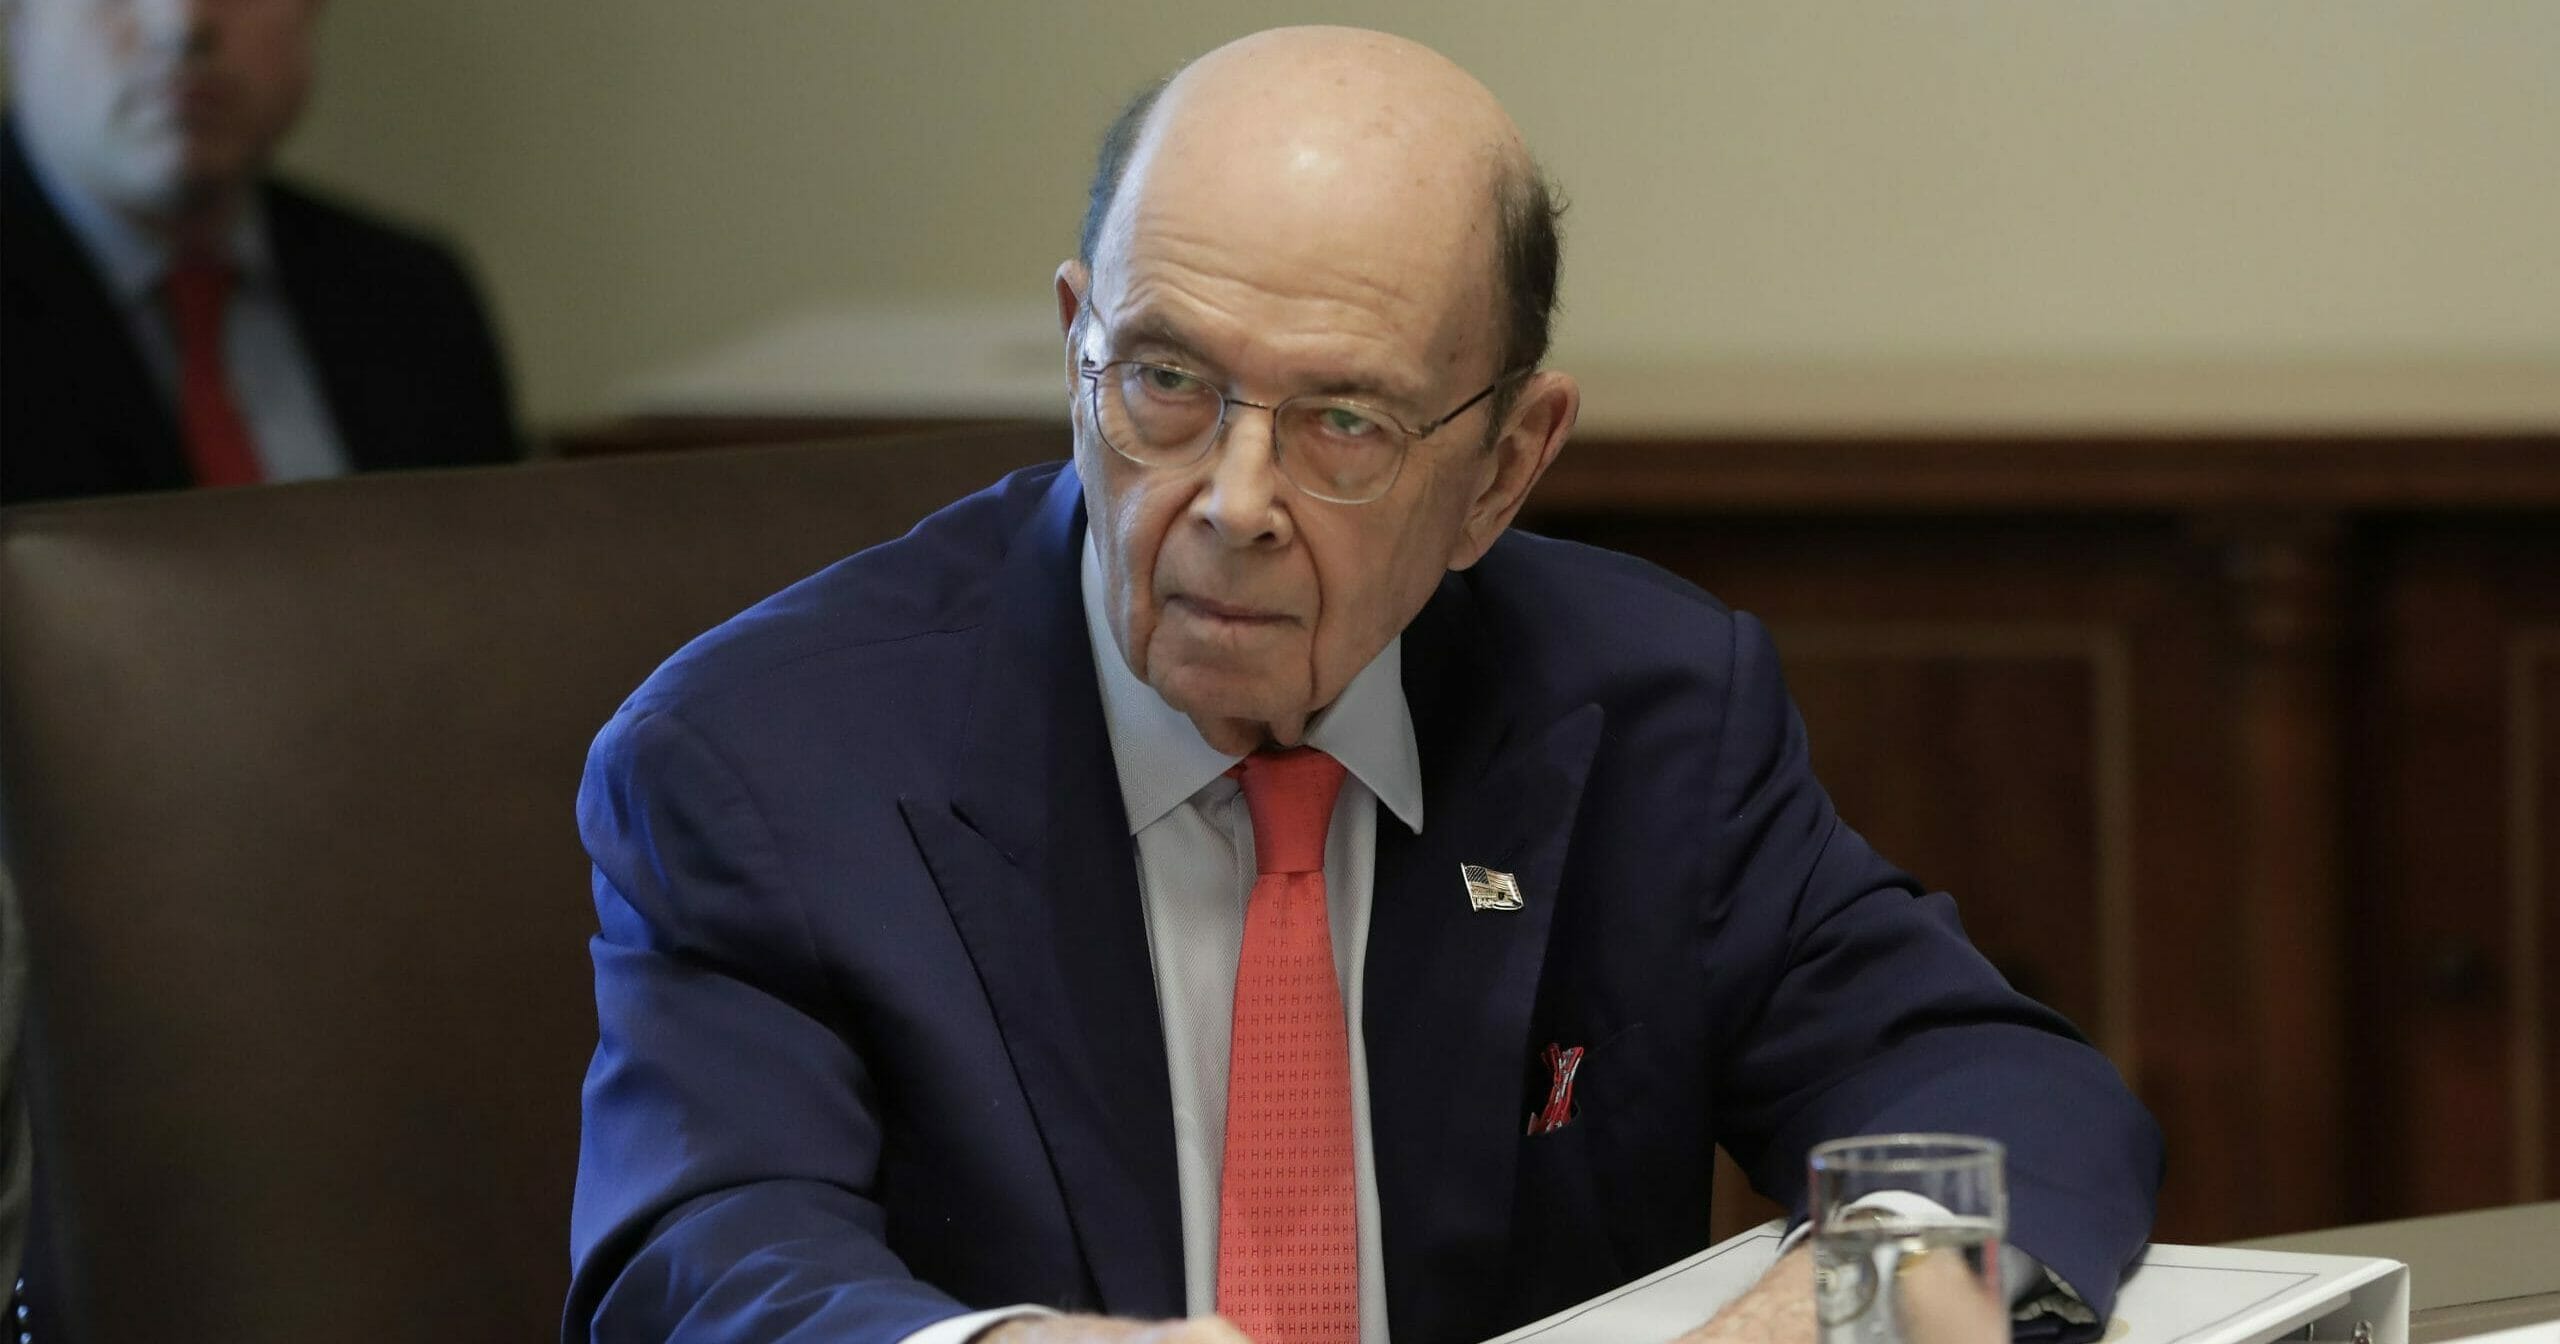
<point>1156,330</point>
<point>1377,393</point>
<point>1159,332</point>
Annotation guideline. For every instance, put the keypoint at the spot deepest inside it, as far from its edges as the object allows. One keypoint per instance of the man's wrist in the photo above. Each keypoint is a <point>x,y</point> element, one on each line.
<point>2027,1285</point>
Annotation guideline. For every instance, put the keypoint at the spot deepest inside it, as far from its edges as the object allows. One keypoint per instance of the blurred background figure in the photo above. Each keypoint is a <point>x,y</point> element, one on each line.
<point>170,314</point>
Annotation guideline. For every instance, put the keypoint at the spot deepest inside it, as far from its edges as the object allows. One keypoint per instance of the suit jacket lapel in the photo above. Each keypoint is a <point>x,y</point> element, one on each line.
<point>1033,856</point>
<point>1449,988</point>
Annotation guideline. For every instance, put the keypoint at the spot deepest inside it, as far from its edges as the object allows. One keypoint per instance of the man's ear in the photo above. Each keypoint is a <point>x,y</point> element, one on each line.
<point>1541,419</point>
<point>1074,282</point>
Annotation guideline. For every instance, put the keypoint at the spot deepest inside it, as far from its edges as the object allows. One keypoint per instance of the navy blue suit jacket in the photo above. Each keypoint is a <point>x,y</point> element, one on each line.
<point>879,1034</point>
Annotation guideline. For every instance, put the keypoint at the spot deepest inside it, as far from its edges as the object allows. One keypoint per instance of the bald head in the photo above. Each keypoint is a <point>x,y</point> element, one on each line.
<point>1317,101</point>
<point>1333,136</point>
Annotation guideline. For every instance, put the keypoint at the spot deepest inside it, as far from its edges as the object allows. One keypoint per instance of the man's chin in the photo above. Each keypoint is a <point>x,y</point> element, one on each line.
<point>1233,710</point>
<point>1243,737</point>
<point>146,181</point>
<point>216,171</point>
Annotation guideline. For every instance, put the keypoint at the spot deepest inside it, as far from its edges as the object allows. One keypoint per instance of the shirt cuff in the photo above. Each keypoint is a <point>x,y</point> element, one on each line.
<point>1900,1203</point>
<point>962,1329</point>
<point>2033,1289</point>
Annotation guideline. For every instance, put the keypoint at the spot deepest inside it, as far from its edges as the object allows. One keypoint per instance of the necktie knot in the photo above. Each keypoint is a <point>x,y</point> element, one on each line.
<point>1290,794</point>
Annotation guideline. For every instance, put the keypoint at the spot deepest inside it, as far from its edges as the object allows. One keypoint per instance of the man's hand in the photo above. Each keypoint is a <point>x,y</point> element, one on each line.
<point>1777,1310</point>
<point>1941,1302</point>
<point>1937,1299</point>
<point>1112,1330</point>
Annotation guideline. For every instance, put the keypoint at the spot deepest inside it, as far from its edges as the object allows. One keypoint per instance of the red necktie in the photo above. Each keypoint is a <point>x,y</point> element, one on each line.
<point>1288,1229</point>
<point>217,439</point>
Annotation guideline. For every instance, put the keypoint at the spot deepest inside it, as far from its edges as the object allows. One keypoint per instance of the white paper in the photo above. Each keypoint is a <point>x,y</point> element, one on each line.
<point>2182,1295</point>
<point>1670,1300</point>
<point>2216,1295</point>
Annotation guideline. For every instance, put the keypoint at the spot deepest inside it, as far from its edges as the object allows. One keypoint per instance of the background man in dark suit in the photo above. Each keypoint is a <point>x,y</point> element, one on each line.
<point>172,315</point>
<point>958,975</point>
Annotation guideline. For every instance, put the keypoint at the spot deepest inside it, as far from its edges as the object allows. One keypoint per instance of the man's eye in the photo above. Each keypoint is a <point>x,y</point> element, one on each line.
<point>1169,382</point>
<point>1344,422</point>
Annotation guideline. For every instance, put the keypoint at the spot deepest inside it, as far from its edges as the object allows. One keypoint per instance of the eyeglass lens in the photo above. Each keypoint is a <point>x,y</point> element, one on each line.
<point>1336,449</point>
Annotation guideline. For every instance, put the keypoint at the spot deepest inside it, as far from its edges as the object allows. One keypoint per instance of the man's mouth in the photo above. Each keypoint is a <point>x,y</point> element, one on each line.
<point>1228,613</point>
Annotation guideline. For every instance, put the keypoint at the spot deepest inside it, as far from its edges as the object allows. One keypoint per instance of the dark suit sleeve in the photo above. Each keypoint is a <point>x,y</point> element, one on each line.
<point>731,1143</point>
<point>1885,1019</point>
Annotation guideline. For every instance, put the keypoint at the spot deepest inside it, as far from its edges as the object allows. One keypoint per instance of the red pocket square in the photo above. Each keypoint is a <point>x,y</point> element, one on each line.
<point>1562,1064</point>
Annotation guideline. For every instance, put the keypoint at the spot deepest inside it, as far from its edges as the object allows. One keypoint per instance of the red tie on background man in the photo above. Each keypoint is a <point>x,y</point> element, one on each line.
<point>1288,1223</point>
<point>217,439</point>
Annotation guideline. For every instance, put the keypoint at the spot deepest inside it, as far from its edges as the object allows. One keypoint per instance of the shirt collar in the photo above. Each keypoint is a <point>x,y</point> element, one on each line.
<point>130,260</point>
<point>1163,760</point>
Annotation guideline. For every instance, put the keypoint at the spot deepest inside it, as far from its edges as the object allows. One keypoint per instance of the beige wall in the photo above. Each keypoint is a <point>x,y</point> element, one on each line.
<point>2202,183</point>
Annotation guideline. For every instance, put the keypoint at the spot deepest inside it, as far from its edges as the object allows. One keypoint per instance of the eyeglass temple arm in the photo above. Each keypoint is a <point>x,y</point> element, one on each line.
<point>1469,404</point>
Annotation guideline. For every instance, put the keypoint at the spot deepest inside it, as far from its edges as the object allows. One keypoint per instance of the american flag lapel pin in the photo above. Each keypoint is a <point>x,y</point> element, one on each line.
<point>1489,888</point>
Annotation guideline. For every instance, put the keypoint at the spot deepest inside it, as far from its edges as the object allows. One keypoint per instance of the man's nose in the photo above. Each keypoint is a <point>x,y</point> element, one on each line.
<point>1241,497</point>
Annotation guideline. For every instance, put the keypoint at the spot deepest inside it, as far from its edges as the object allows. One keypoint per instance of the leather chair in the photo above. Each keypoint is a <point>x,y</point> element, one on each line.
<point>290,775</point>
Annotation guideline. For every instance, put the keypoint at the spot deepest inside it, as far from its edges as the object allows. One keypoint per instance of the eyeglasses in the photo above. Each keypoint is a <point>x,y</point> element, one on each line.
<point>1335,449</point>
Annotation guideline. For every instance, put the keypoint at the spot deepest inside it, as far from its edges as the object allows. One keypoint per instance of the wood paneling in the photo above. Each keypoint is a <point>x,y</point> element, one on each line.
<point>2283,719</point>
<point>1954,743</point>
<point>2108,475</point>
<point>2533,914</point>
<point>2452,939</point>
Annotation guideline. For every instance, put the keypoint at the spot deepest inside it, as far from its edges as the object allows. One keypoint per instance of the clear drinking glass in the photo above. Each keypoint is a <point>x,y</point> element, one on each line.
<point>1890,1268</point>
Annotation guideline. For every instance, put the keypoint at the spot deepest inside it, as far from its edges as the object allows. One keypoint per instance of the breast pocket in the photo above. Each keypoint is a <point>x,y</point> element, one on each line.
<point>1572,1177</point>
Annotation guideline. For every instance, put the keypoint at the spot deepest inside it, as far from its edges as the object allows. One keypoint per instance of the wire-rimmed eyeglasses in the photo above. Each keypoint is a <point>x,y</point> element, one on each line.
<point>1333,448</point>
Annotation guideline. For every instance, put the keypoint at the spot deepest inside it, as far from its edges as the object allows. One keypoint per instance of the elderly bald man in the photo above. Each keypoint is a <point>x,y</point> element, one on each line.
<point>1234,887</point>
